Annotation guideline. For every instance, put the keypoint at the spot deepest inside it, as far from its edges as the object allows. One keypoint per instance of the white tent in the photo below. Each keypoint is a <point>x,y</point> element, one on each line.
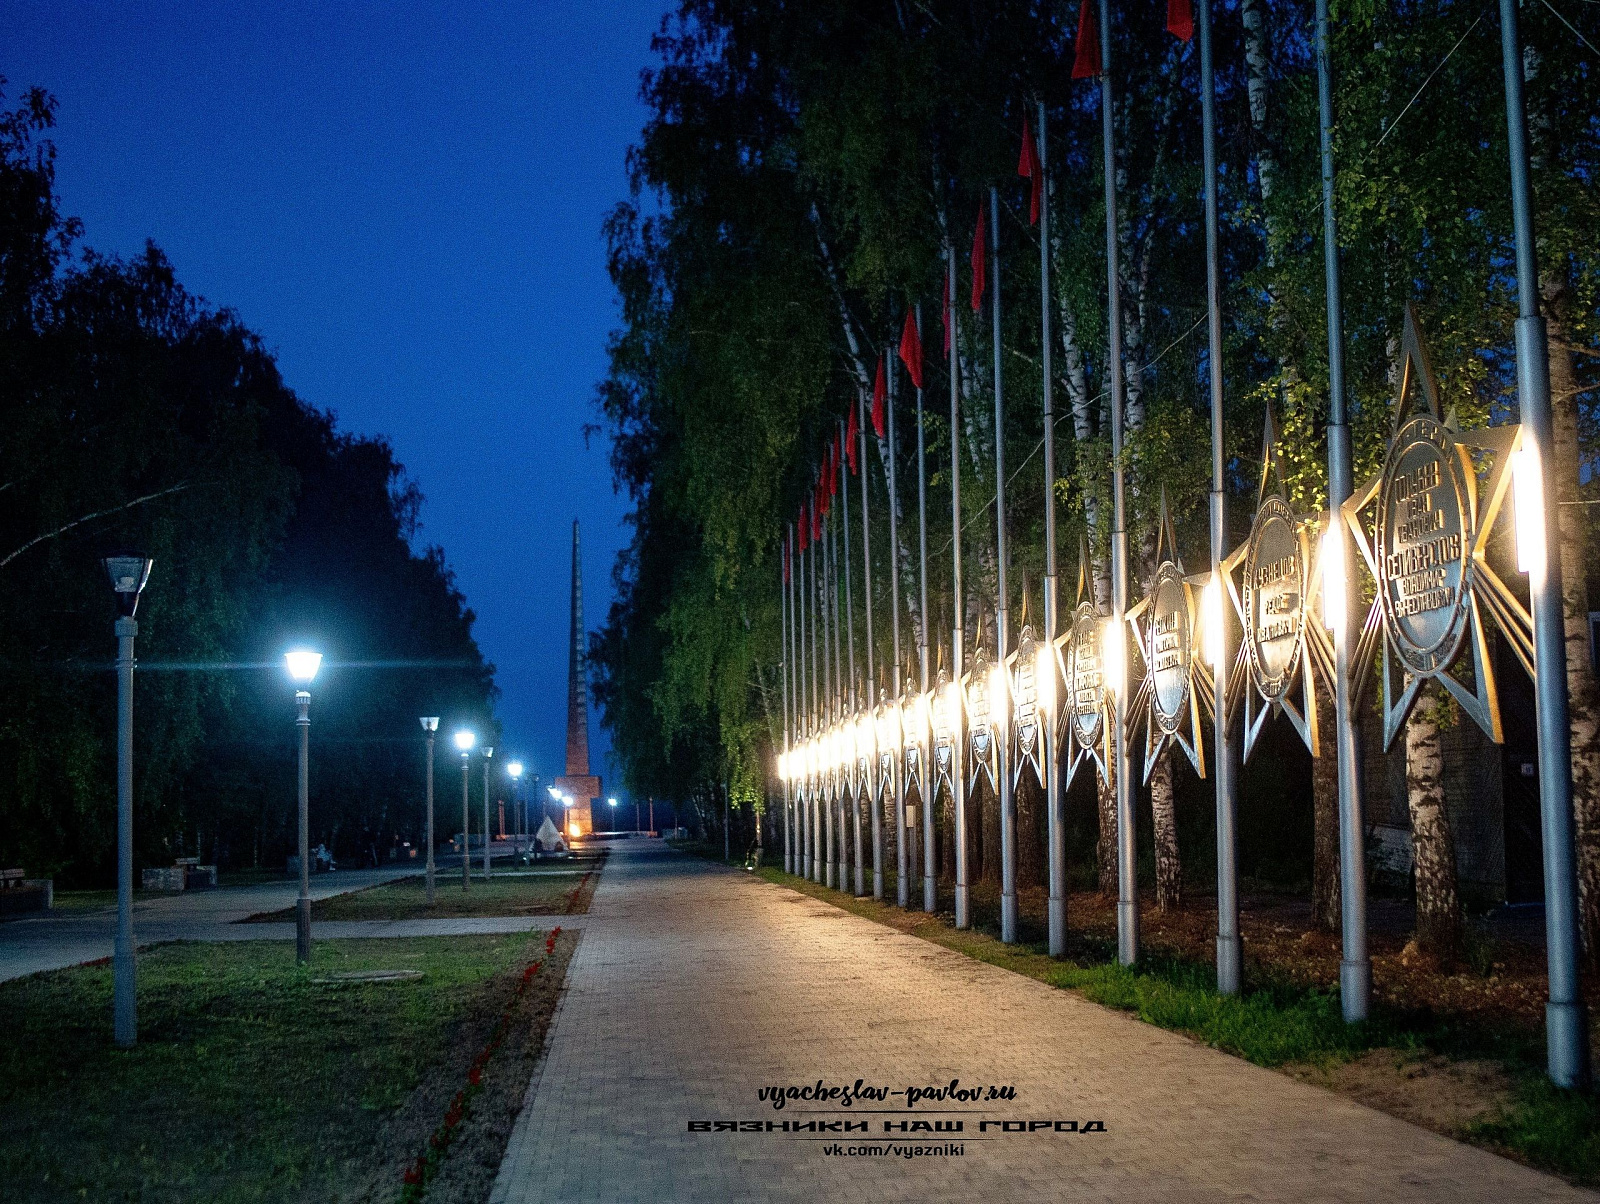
<point>549,839</point>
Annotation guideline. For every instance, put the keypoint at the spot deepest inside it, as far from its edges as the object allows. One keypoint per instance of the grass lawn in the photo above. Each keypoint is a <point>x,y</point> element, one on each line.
<point>251,1081</point>
<point>1461,1073</point>
<point>537,894</point>
<point>83,900</point>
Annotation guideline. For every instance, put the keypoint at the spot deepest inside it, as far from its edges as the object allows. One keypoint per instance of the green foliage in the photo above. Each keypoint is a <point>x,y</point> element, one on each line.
<point>794,187</point>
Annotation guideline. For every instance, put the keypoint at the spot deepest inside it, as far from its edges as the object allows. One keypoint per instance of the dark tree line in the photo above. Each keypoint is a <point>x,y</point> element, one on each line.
<point>139,418</point>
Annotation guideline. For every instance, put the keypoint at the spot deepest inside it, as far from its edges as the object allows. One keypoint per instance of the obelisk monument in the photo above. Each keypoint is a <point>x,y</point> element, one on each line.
<point>578,782</point>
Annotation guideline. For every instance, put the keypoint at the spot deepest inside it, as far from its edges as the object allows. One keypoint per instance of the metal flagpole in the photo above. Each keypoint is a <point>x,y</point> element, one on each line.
<point>1229,951</point>
<point>1355,969</point>
<point>872,686</point>
<point>850,628</point>
<point>783,663</point>
<point>1566,1026</point>
<point>1127,886</point>
<point>797,642</point>
<point>839,708</point>
<point>958,773</point>
<point>1047,748</point>
<point>928,787</point>
<point>901,868</point>
<point>1002,734</point>
<point>830,677</point>
<point>814,859</point>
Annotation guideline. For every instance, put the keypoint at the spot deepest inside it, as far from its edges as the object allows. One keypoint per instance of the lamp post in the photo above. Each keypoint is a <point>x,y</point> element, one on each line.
<point>464,741</point>
<point>518,820</point>
<point>430,725</point>
<point>613,804</point>
<point>488,751</point>
<point>1566,1022</point>
<point>128,577</point>
<point>303,666</point>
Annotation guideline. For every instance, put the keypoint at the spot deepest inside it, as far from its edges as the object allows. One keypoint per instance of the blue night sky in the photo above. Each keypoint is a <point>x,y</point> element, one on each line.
<point>405,201</point>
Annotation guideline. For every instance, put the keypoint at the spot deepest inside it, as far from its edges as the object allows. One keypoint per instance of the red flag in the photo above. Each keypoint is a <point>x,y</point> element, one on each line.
<point>819,508</point>
<point>978,239</point>
<point>1086,55</point>
<point>1180,19</point>
<point>1028,165</point>
<point>911,349</point>
<point>805,527</point>
<point>852,431</point>
<point>880,393</point>
<point>944,315</point>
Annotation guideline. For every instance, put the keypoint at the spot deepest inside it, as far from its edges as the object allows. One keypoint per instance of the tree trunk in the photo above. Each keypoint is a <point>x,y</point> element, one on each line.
<point>1325,898</point>
<point>1169,870</point>
<point>947,838</point>
<point>1433,846</point>
<point>1573,520</point>
<point>1105,847</point>
<point>989,836</point>
<point>1030,841</point>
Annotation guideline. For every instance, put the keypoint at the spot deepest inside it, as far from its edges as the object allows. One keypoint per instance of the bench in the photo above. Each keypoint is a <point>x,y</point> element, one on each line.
<point>20,894</point>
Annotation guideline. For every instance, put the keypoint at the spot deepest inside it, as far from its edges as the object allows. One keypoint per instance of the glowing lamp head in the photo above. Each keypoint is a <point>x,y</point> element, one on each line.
<point>866,738</point>
<point>303,665</point>
<point>1211,621</point>
<point>514,768</point>
<point>612,801</point>
<point>465,740</point>
<point>1333,577</point>
<point>554,793</point>
<point>1044,677</point>
<point>944,712</point>
<point>891,735</point>
<point>1527,486</point>
<point>430,723</point>
<point>999,696</point>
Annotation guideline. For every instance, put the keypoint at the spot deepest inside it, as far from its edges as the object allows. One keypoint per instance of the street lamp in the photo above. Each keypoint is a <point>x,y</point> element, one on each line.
<point>518,820</point>
<point>303,666</point>
<point>430,725</point>
<point>613,803</point>
<point>488,752</point>
<point>464,741</point>
<point>128,577</point>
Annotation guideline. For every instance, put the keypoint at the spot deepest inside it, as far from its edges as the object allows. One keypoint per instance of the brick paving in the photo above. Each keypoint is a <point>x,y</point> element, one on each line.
<point>693,985</point>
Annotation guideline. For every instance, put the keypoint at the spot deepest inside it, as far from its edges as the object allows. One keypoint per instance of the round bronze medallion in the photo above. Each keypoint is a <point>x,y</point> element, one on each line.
<point>978,708</point>
<point>1087,683</point>
<point>1025,693</point>
<point>1171,646</point>
<point>1274,598</point>
<point>1424,546</point>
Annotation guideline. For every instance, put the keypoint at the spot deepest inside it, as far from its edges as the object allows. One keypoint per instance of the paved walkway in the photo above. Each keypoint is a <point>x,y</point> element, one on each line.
<point>50,942</point>
<point>694,985</point>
